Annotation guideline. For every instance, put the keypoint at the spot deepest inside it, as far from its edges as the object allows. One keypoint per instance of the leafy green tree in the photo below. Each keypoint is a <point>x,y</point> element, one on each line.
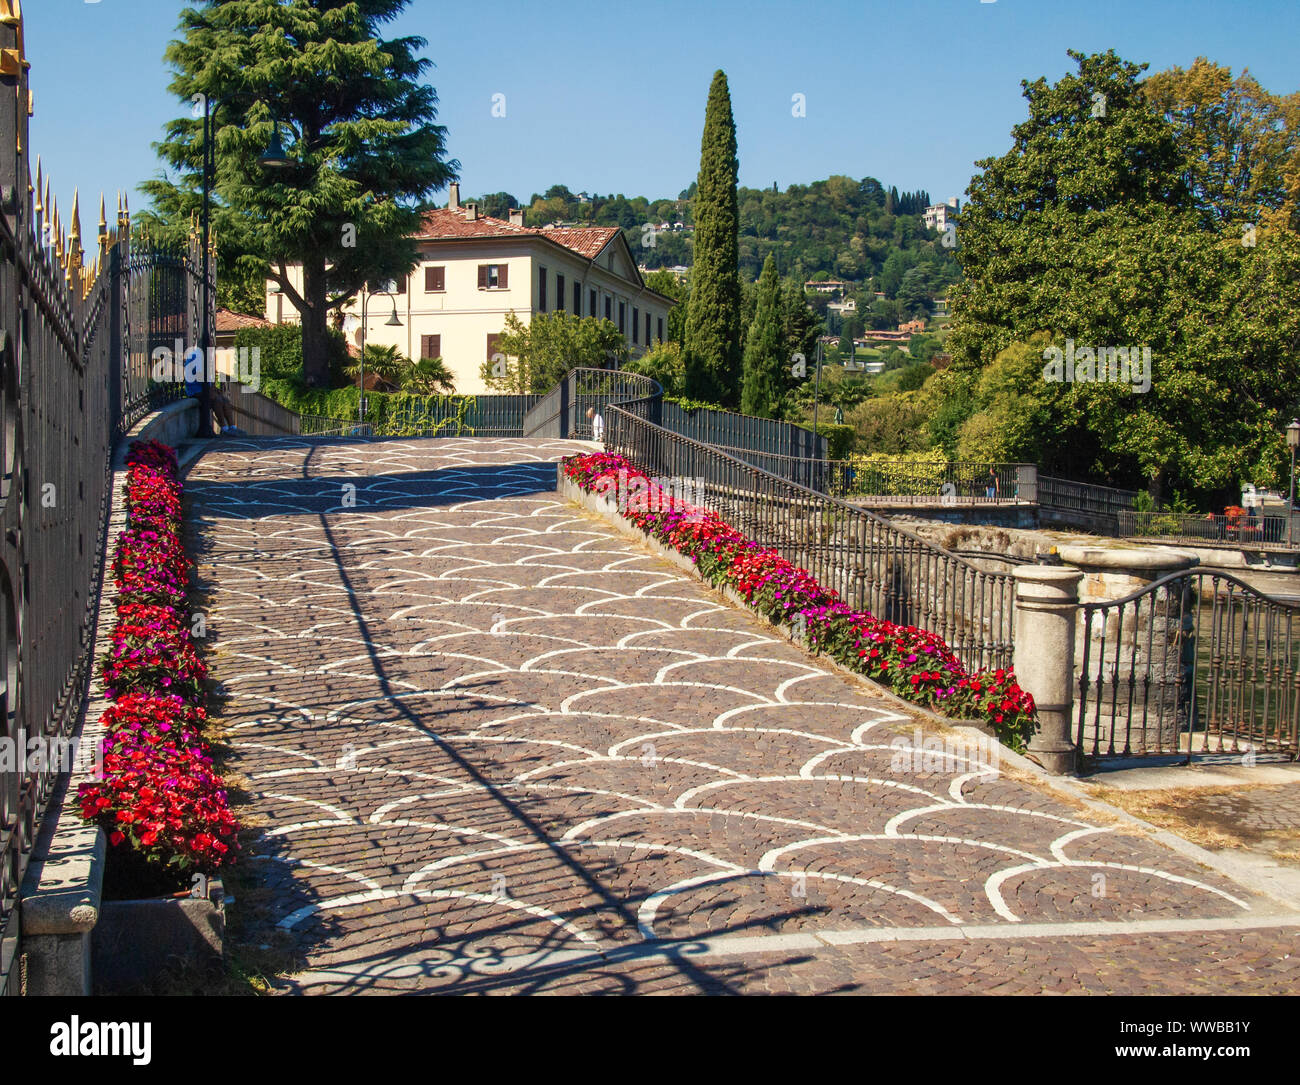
<point>1089,232</point>
<point>666,283</point>
<point>765,356</point>
<point>664,364</point>
<point>386,364</point>
<point>799,324</point>
<point>497,205</point>
<point>430,376</point>
<point>362,143</point>
<point>540,353</point>
<point>1238,142</point>
<point>1091,154</point>
<point>713,317</point>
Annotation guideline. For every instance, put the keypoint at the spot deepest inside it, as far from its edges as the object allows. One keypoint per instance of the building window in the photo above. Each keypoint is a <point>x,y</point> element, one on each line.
<point>647,329</point>
<point>591,300</point>
<point>430,346</point>
<point>636,323</point>
<point>492,338</point>
<point>607,305</point>
<point>577,299</point>
<point>399,285</point>
<point>541,289</point>
<point>660,328</point>
<point>435,280</point>
<point>559,292</point>
<point>492,277</point>
<point>622,318</point>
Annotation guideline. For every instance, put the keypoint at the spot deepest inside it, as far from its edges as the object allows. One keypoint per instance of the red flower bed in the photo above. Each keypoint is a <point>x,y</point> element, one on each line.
<point>152,651</point>
<point>914,663</point>
<point>158,795</point>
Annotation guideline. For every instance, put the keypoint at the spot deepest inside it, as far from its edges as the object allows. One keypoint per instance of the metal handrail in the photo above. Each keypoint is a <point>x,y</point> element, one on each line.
<point>872,563</point>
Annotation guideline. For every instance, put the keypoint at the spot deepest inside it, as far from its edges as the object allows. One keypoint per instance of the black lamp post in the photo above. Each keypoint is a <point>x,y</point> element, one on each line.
<point>1293,442</point>
<point>205,327</point>
<point>393,322</point>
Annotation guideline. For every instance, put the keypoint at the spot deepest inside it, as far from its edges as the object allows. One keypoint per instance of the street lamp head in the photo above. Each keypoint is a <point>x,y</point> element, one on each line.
<point>393,321</point>
<point>274,156</point>
<point>1293,434</point>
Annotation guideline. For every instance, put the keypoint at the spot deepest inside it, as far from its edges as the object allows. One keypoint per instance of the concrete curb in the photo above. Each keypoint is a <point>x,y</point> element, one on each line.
<point>973,734</point>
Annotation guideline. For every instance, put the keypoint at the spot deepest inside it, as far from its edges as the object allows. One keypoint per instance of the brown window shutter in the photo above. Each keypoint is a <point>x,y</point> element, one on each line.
<point>434,279</point>
<point>431,346</point>
<point>503,275</point>
<point>482,276</point>
<point>492,344</point>
<point>401,285</point>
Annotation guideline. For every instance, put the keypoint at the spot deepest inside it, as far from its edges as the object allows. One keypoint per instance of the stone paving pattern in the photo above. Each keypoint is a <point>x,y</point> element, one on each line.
<point>494,745</point>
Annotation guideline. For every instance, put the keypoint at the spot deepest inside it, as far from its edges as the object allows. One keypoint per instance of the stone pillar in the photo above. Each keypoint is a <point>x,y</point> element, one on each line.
<point>1047,597</point>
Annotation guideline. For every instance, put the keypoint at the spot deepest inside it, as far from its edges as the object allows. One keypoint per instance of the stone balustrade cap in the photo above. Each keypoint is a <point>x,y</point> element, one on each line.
<point>1135,559</point>
<point>1048,574</point>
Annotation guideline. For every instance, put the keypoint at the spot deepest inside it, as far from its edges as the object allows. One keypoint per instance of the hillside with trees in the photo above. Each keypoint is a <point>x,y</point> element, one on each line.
<point>857,231</point>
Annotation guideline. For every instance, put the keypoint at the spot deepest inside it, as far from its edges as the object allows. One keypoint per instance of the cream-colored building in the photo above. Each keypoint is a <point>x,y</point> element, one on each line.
<point>474,270</point>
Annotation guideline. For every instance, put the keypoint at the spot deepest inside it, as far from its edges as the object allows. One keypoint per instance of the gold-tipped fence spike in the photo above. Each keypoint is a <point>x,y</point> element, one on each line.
<point>74,233</point>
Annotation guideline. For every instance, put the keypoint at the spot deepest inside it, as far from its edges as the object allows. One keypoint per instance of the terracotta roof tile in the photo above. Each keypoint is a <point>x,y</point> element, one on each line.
<point>443,223</point>
<point>232,322</point>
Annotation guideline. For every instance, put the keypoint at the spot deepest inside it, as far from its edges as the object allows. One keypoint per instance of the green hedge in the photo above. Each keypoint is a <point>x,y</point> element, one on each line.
<point>839,439</point>
<point>392,414</point>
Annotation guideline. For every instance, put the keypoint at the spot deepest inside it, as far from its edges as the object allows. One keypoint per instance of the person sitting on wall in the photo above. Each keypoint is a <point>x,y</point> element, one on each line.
<point>221,406</point>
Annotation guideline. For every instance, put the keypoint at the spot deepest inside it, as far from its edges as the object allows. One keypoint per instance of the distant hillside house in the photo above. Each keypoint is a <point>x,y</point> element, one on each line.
<point>473,270</point>
<point>937,216</point>
<point>917,325</point>
<point>826,286</point>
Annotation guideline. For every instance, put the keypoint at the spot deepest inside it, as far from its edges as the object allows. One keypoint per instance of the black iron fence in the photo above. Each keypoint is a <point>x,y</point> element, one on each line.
<point>903,480</point>
<point>78,328</point>
<point>1194,663</point>
<point>873,564</point>
<point>1241,530</point>
<point>730,430</point>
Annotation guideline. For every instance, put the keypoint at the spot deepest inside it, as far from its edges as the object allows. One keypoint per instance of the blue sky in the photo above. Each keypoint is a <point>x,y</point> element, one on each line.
<point>610,98</point>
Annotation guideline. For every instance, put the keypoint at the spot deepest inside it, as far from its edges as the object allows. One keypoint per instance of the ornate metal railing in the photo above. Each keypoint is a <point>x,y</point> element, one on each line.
<point>77,331</point>
<point>873,564</point>
<point>1083,504</point>
<point>1194,663</point>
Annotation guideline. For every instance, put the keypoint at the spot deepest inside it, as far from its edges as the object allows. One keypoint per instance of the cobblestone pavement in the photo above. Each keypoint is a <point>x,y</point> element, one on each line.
<point>494,745</point>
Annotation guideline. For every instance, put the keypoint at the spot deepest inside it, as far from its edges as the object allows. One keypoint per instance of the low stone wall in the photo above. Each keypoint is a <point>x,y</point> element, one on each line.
<point>60,898</point>
<point>259,416</point>
<point>1024,517</point>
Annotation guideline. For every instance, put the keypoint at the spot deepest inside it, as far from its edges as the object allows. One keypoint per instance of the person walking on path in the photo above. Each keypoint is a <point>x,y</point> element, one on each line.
<point>597,424</point>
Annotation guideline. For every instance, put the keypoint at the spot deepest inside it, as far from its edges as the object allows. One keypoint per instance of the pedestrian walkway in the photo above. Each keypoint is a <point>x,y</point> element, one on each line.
<point>492,745</point>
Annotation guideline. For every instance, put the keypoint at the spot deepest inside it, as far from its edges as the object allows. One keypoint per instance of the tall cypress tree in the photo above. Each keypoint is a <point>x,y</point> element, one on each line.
<point>360,137</point>
<point>713,317</point>
<point>765,348</point>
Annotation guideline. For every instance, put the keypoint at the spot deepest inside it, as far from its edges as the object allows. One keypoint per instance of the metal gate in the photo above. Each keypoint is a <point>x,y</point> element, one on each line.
<point>1195,663</point>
